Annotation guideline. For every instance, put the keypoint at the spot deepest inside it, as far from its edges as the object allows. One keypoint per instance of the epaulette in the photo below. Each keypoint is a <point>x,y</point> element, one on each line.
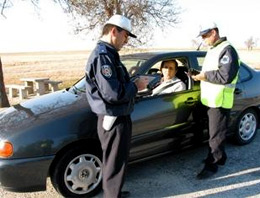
<point>102,49</point>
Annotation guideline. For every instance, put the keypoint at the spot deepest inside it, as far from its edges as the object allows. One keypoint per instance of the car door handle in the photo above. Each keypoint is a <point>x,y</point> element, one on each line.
<point>190,101</point>
<point>238,91</point>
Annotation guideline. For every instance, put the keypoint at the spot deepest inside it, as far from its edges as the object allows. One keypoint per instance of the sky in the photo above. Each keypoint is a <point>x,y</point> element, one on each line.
<point>24,29</point>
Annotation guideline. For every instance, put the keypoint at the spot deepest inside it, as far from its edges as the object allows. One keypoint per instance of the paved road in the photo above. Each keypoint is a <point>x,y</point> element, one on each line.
<point>174,176</point>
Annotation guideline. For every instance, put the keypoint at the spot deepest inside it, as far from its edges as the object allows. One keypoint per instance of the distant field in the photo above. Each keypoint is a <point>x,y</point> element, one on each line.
<point>252,58</point>
<point>68,66</point>
<point>65,66</point>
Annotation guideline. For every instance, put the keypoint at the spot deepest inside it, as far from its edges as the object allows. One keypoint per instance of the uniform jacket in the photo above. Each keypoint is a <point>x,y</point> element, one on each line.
<point>227,69</point>
<point>108,87</point>
<point>221,67</point>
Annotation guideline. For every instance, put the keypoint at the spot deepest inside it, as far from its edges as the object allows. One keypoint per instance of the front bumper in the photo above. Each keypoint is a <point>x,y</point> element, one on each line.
<point>25,175</point>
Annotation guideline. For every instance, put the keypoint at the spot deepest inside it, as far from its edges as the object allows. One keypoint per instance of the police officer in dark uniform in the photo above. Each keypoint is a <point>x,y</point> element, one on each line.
<point>218,80</point>
<point>111,94</point>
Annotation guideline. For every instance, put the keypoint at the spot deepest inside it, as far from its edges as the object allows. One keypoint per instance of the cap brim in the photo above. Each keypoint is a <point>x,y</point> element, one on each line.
<point>132,35</point>
<point>204,32</point>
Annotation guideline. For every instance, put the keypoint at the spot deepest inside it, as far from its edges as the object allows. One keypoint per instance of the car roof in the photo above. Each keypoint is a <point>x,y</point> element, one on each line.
<point>147,55</point>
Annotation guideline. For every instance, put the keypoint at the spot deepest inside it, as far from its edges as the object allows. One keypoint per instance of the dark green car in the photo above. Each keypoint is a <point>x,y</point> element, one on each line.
<point>55,134</point>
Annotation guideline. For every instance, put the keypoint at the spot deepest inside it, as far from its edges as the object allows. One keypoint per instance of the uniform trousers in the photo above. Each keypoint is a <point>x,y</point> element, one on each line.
<point>115,145</point>
<point>218,126</point>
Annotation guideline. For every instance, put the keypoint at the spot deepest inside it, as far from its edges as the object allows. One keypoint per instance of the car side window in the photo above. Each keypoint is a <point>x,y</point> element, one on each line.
<point>132,65</point>
<point>155,69</point>
<point>182,64</point>
<point>200,63</point>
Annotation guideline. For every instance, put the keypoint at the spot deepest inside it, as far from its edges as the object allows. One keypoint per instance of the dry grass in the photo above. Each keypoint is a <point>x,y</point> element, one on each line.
<point>68,66</point>
<point>252,58</point>
<point>65,66</point>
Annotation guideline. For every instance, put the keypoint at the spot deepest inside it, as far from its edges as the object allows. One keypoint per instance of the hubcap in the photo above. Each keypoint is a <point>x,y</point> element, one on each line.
<point>83,174</point>
<point>247,126</point>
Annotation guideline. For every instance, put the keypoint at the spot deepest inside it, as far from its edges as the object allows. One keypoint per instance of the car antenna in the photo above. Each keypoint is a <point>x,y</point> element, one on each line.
<point>198,49</point>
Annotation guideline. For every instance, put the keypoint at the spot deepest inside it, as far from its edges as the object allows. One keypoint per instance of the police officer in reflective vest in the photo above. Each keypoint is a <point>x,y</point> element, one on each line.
<point>218,79</point>
<point>111,94</point>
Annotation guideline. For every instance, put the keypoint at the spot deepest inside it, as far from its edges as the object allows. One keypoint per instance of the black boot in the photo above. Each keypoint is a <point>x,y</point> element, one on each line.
<point>125,194</point>
<point>208,171</point>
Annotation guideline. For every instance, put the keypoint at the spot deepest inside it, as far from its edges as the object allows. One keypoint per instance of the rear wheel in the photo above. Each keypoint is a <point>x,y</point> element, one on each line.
<point>78,173</point>
<point>246,127</point>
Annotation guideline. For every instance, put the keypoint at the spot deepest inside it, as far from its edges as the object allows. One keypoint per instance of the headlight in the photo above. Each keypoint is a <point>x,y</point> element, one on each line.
<point>6,149</point>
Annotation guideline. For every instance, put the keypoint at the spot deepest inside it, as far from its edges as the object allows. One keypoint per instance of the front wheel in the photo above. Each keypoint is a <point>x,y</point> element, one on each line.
<point>247,124</point>
<point>78,174</point>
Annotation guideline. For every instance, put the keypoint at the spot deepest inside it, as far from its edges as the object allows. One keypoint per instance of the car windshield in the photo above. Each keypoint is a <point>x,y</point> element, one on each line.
<point>132,65</point>
<point>78,86</point>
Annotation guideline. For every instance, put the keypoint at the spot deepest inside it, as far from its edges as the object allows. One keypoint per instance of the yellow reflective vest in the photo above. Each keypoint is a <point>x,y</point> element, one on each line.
<point>216,95</point>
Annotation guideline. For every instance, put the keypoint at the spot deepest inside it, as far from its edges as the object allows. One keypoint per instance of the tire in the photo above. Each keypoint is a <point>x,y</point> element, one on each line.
<point>247,125</point>
<point>78,173</point>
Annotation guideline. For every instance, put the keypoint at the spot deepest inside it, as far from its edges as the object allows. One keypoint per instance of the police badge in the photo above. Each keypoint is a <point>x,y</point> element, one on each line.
<point>106,70</point>
<point>225,60</point>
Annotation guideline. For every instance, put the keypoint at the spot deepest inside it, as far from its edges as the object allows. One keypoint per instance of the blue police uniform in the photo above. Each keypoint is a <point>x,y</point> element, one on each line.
<point>109,89</point>
<point>110,92</point>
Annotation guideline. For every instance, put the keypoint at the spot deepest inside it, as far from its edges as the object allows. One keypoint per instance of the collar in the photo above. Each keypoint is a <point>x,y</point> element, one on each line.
<point>109,47</point>
<point>171,80</point>
<point>222,39</point>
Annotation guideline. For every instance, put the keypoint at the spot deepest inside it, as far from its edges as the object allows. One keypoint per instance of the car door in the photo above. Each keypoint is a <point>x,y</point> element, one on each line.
<point>159,122</point>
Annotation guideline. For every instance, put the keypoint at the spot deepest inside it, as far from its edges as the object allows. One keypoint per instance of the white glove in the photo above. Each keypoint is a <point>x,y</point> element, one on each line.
<point>108,122</point>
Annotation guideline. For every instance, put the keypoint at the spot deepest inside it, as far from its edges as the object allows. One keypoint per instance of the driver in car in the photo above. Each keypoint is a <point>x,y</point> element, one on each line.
<point>169,82</point>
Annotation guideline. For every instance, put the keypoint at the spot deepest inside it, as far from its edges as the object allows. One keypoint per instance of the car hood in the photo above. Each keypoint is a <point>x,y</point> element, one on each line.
<point>40,109</point>
<point>48,102</point>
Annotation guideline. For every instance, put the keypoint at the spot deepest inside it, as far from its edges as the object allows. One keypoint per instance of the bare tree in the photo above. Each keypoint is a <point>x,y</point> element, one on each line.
<point>4,4</point>
<point>251,42</point>
<point>3,97</point>
<point>146,15</point>
<point>89,15</point>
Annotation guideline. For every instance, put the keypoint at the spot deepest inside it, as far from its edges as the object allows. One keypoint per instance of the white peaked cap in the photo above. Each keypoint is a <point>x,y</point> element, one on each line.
<point>122,22</point>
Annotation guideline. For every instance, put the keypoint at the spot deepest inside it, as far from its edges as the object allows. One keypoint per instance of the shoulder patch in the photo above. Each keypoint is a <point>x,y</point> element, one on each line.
<point>106,71</point>
<point>225,59</point>
<point>102,49</point>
